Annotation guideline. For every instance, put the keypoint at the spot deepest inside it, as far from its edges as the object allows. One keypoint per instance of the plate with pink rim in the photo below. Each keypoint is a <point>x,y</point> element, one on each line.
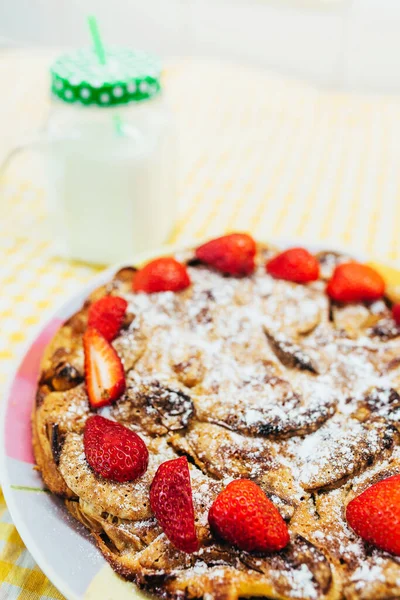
<point>59,544</point>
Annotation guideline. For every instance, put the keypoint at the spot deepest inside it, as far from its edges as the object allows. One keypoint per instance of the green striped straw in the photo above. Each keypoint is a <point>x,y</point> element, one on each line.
<point>96,38</point>
<point>101,55</point>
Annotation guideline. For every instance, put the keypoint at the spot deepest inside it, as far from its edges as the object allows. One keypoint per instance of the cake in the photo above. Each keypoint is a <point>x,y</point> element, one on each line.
<point>234,362</point>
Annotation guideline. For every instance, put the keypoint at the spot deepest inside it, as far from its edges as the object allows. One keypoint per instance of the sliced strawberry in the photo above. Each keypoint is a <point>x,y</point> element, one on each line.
<point>295,264</point>
<point>161,275</point>
<point>243,516</point>
<point>233,254</point>
<point>107,315</point>
<point>375,515</point>
<point>104,373</point>
<point>354,282</point>
<point>172,503</point>
<point>114,451</point>
<point>396,313</point>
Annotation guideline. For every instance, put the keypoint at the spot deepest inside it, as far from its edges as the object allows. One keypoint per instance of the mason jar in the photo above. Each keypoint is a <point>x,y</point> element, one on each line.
<point>110,151</point>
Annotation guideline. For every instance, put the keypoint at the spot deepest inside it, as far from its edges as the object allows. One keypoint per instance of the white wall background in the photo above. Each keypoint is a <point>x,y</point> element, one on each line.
<point>349,43</point>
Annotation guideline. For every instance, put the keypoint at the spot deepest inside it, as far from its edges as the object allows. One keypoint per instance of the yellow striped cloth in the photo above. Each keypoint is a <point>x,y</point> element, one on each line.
<point>258,153</point>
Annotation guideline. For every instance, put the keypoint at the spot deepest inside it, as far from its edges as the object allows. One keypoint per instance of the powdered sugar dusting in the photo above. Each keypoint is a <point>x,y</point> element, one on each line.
<point>368,573</point>
<point>302,583</point>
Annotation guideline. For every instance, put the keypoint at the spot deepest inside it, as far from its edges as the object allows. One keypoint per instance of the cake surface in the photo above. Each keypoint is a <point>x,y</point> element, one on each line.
<point>249,377</point>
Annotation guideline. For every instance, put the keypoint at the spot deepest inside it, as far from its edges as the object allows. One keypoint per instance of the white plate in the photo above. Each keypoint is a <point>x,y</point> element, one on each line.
<point>59,544</point>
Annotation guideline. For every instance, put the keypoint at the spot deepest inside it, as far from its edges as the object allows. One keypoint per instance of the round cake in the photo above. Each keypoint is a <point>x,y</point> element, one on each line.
<point>225,422</point>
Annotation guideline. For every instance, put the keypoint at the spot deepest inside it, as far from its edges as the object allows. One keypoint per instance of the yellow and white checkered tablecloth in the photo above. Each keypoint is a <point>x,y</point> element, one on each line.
<point>259,153</point>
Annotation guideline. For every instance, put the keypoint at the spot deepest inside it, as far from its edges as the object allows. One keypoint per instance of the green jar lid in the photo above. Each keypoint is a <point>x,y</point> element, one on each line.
<point>126,76</point>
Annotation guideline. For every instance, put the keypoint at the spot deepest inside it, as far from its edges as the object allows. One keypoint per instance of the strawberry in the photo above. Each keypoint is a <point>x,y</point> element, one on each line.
<point>242,515</point>
<point>161,275</point>
<point>354,282</point>
<point>396,314</point>
<point>114,451</point>
<point>375,515</point>
<point>104,373</point>
<point>107,315</point>
<point>172,503</point>
<point>233,254</point>
<point>295,264</point>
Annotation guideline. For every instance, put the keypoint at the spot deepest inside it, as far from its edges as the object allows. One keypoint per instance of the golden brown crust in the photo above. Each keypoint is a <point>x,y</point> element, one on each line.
<point>255,378</point>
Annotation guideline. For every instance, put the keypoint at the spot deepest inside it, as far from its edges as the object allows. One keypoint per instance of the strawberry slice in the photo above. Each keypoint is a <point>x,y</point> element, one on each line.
<point>114,451</point>
<point>243,516</point>
<point>161,275</point>
<point>172,503</point>
<point>104,373</point>
<point>232,254</point>
<point>354,282</point>
<point>295,264</point>
<point>107,315</point>
<point>375,515</point>
<point>396,314</point>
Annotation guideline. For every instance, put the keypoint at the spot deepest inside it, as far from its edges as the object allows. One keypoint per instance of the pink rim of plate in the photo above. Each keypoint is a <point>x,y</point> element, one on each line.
<point>18,438</point>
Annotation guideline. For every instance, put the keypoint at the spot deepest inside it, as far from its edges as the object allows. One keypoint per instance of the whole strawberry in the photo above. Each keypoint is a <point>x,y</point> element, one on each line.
<point>354,282</point>
<point>114,451</point>
<point>161,275</point>
<point>243,516</point>
<point>107,315</point>
<point>232,254</point>
<point>375,515</point>
<point>172,503</point>
<point>295,264</point>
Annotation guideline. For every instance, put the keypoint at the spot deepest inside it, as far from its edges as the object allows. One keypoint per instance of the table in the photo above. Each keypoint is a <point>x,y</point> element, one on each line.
<point>258,153</point>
